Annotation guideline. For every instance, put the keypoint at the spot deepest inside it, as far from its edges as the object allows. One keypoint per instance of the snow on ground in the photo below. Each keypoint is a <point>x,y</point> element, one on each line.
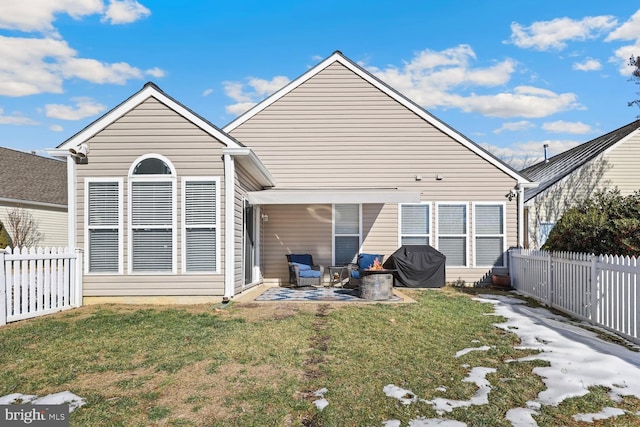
<point>577,359</point>
<point>50,399</point>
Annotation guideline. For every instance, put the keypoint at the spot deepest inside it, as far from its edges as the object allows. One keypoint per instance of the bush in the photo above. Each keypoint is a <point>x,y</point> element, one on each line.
<point>4,237</point>
<point>606,223</point>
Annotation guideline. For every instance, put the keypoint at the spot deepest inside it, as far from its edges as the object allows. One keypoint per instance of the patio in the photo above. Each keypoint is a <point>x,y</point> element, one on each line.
<point>274,293</point>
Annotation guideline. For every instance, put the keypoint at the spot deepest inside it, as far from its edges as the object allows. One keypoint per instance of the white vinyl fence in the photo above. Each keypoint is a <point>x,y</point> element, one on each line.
<point>35,282</point>
<point>602,290</point>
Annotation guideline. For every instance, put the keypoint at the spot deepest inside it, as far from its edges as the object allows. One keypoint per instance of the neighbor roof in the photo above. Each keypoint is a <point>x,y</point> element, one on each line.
<point>557,167</point>
<point>28,178</point>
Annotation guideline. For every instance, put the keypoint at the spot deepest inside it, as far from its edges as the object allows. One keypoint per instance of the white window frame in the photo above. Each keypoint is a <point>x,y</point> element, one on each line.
<point>503,235</point>
<point>465,235</point>
<point>153,178</point>
<point>429,235</point>
<point>333,230</point>
<point>87,227</point>
<point>216,224</point>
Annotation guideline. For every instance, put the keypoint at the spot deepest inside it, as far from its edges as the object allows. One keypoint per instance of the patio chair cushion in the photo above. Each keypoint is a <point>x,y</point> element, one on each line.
<point>310,273</point>
<point>355,274</point>
<point>300,258</point>
<point>301,267</point>
<point>366,260</point>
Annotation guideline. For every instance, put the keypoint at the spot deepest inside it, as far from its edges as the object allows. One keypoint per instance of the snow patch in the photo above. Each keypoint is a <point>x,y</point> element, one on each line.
<point>607,412</point>
<point>469,350</point>
<point>73,400</point>
<point>405,396</point>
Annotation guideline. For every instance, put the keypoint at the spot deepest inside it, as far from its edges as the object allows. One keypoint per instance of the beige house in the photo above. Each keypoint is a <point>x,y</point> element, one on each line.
<point>606,162</point>
<point>335,163</point>
<point>38,186</point>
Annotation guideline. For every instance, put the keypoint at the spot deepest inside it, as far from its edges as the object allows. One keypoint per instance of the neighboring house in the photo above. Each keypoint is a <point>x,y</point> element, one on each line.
<point>39,186</point>
<point>606,162</point>
<point>334,163</point>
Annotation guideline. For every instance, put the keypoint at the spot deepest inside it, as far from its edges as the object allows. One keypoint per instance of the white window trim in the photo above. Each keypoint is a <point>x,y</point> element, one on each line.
<point>87,181</point>
<point>333,230</point>
<point>436,231</point>
<point>174,221</point>
<point>183,225</point>
<point>430,219</point>
<point>503,235</point>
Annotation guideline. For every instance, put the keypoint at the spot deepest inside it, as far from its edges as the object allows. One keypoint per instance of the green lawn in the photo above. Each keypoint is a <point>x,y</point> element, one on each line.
<point>259,364</point>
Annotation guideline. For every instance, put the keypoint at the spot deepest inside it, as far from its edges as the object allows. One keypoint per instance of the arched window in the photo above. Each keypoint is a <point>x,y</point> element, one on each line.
<point>152,215</point>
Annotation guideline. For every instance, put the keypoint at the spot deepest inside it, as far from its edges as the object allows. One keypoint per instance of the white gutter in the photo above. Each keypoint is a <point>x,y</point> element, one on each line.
<point>250,161</point>
<point>71,202</point>
<point>229,226</point>
<point>32,203</point>
<point>520,189</point>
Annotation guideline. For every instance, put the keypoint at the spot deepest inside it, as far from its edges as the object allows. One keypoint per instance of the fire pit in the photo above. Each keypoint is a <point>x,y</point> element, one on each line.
<point>376,285</point>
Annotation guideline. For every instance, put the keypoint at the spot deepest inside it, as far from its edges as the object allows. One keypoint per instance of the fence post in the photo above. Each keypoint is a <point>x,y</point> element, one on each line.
<point>78,278</point>
<point>593,310</point>
<point>3,290</point>
<point>550,284</point>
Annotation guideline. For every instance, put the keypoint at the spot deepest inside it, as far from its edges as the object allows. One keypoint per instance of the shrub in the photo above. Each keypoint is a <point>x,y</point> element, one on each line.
<point>4,237</point>
<point>606,223</point>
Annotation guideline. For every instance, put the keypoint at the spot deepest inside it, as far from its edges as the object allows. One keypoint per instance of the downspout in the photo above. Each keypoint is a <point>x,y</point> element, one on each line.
<point>520,190</point>
<point>229,227</point>
<point>72,211</point>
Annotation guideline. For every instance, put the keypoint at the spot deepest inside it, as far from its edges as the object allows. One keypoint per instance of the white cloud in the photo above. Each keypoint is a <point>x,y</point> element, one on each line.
<point>434,79</point>
<point>85,107</point>
<point>555,34</point>
<point>588,64</point>
<point>561,126</point>
<point>249,94</point>
<point>630,30</point>
<point>207,92</point>
<point>56,128</point>
<point>155,72</point>
<point>38,15</point>
<point>239,108</point>
<point>514,126</point>
<point>125,12</point>
<point>98,72</point>
<point>16,119</point>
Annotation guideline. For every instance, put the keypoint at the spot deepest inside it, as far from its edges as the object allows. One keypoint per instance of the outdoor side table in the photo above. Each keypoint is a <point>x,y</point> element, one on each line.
<point>338,274</point>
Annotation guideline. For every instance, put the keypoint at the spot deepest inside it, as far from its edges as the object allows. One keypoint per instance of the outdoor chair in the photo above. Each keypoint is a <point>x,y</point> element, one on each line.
<point>303,272</point>
<point>363,262</point>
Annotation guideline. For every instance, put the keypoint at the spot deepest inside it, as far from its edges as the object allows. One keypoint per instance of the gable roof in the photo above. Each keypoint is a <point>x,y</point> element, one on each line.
<point>28,178</point>
<point>149,90</point>
<point>557,167</point>
<point>337,56</point>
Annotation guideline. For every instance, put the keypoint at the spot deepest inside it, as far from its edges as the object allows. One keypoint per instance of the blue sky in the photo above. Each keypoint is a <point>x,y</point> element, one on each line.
<point>510,75</point>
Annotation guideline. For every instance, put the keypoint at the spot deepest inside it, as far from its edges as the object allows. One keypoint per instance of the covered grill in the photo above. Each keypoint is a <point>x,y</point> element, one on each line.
<point>418,266</point>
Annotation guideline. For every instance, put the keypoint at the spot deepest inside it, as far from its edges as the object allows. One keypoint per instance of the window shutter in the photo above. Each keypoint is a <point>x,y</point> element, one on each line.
<point>200,221</point>
<point>103,227</point>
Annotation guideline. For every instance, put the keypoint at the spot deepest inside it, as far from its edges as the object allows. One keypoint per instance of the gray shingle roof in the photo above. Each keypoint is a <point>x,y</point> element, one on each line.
<point>557,167</point>
<point>28,177</point>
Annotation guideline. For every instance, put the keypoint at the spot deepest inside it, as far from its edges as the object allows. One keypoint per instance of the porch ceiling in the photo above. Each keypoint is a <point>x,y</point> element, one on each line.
<point>326,196</point>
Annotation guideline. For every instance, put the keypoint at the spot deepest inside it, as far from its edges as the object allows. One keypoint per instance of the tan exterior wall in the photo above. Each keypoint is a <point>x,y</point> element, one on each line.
<point>52,223</point>
<point>624,172</point>
<point>152,128</point>
<point>244,184</point>
<point>338,130</point>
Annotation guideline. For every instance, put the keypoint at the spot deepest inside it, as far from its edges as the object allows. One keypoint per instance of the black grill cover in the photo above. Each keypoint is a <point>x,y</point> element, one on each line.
<point>418,266</point>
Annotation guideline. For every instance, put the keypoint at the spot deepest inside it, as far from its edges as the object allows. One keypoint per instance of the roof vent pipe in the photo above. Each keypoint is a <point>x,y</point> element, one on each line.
<point>546,159</point>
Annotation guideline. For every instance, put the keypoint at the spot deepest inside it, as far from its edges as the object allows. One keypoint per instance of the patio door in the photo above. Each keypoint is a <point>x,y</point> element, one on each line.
<point>249,243</point>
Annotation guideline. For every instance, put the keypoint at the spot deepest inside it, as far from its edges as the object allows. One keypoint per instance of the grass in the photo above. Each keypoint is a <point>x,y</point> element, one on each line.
<point>258,365</point>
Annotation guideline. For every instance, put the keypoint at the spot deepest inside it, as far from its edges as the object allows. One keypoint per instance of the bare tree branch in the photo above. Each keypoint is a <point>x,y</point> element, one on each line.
<point>22,228</point>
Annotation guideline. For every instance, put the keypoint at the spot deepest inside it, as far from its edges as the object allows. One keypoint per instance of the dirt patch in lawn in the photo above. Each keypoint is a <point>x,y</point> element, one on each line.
<point>255,312</point>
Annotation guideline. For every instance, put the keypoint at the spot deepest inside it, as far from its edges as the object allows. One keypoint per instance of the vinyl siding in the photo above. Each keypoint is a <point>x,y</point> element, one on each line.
<point>52,223</point>
<point>244,184</point>
<point>149,128</point>
<point>337,130</point>
<point>623,159</point>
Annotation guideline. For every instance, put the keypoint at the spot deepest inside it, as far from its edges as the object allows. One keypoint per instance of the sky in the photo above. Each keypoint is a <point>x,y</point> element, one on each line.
<point>509,75</point>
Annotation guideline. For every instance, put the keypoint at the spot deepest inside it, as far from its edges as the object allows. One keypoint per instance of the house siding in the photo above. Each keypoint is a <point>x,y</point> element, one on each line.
<point>337,130</point>
<point>152,127</point>
<point>623,159</point>
<point>244,184</point>
<point>52,222</point>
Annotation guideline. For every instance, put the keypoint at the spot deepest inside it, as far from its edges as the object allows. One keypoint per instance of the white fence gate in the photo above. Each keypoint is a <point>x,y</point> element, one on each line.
<point>602,290</point>
<point>35,282</point>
